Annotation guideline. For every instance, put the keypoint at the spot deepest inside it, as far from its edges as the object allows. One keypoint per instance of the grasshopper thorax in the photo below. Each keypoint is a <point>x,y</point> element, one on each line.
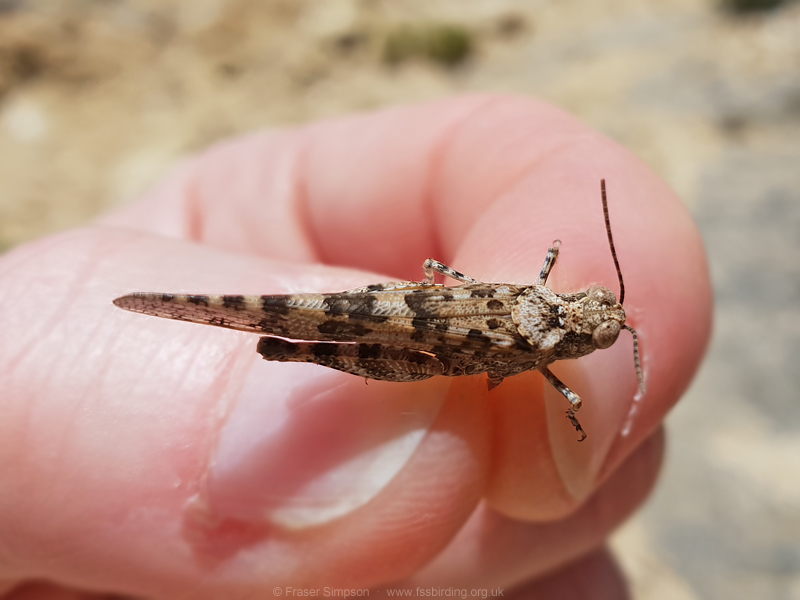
<point>568,325</point>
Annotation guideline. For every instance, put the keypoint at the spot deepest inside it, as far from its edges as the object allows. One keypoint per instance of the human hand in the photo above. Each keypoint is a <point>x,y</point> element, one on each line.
<point>162,459</point>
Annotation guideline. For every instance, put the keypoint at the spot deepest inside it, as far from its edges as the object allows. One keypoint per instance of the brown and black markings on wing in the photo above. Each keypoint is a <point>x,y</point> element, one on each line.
<point>396,332</point>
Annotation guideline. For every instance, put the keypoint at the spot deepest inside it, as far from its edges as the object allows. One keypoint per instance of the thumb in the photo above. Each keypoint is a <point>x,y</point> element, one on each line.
<point>145,456</point>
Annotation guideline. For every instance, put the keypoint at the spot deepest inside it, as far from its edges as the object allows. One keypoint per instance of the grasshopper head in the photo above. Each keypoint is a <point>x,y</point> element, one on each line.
<point>607,318</point>
<point>606,315</point>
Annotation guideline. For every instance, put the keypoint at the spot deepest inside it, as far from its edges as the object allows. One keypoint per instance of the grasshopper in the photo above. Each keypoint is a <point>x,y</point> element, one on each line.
<point>413,330</point>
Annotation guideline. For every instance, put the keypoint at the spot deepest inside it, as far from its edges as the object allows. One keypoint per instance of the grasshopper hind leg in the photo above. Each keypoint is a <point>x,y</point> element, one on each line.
<point>374,361</point>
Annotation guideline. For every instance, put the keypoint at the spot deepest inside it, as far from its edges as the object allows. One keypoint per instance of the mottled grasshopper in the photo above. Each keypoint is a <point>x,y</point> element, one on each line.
<point>410,331</point>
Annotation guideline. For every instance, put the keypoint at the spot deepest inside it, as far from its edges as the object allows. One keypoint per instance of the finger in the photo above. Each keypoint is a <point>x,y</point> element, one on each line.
<point>547,190</point>
<point>47,591</point>
<point>353,191</point>
<point>484,183</point>
<point>162,459</point>
<point>595,576</point>
<point>494,551</point>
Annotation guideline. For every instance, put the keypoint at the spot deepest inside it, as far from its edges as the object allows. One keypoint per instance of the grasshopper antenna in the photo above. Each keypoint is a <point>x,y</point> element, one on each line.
<point>611,240</point>
<point>637,363</point>
<point>636,360</point>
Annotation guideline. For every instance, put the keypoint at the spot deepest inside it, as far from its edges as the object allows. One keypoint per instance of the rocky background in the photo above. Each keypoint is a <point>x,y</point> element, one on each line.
<point>99,97</point>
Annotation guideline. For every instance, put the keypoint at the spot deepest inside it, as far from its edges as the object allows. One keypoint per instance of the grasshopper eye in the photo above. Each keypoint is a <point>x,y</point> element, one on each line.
<point>602,295</point>
<point>605,334</point>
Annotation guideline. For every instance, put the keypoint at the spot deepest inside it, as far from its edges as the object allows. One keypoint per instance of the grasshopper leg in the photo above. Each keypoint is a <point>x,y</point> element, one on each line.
<point>494,380</point>
<point>431,267</point>
<point>574,399</point>
<point>374,361</point>
<point>549,261</point>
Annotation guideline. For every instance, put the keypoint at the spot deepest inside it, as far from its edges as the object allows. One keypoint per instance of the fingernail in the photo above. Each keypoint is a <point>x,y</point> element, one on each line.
<point>605,381</point>
<point>304,445</point>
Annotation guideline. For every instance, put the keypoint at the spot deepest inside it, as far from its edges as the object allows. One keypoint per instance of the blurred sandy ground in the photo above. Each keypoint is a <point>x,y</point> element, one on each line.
<point>99,98</point>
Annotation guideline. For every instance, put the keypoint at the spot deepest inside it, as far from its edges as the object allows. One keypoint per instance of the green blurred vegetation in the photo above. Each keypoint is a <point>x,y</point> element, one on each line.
<point>751,6</point>
<point>444,44</point>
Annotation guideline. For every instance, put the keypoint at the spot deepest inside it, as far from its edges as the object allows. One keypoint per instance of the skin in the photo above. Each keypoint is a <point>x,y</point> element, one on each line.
<point>163,459</point>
